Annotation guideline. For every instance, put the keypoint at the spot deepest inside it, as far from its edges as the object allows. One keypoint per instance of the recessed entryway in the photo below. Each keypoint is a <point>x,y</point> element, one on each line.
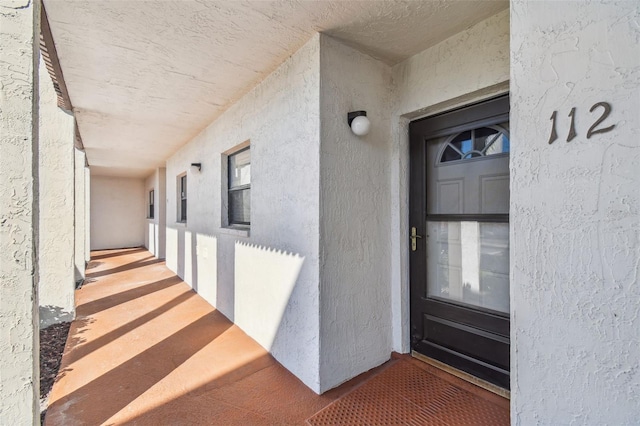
<point>459,251</point>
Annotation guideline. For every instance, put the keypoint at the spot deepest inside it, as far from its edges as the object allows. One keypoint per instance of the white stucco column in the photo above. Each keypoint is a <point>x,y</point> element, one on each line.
<point>156,226</point>
<point>80,206</point>
<point>161,200</point>
<point>575,212</point>
<point>355,307</point>
<point>56,239</point>
<point>87,214</point>
<point>18,212</point>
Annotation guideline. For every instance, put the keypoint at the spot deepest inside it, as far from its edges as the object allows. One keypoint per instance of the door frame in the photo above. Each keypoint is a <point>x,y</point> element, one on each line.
<point>400,243</point>
<point>401,300</point>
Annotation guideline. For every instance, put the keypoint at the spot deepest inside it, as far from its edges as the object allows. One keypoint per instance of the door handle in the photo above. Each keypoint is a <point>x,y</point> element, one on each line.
<point>414,238</point>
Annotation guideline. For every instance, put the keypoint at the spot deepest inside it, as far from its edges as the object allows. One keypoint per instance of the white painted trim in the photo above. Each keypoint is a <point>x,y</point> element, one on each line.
<point>235,231</point>
<point>239,147</point>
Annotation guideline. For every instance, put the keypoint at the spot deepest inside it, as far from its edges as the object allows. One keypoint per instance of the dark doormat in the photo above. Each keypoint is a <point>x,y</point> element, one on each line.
<point>405,394</point>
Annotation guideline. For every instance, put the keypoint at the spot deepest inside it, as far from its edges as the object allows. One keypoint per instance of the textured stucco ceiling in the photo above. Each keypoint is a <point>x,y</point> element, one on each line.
<point>144,77</point>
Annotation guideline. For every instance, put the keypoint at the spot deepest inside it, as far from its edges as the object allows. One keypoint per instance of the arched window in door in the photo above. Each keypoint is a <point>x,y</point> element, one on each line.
<point>481,142</point>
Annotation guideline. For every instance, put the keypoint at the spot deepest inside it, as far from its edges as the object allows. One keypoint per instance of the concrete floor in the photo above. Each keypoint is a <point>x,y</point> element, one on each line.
<point>145,349</point>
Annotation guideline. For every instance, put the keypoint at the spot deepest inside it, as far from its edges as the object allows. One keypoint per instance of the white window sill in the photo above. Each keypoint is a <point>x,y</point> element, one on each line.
<point>238,231</point>
<point>181,224</point>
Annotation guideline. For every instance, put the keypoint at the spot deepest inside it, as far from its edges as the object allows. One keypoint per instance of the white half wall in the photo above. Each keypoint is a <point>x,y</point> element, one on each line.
<point>56,202</point>
<point>118,212</point>
<point>265,278</point>
<point>355,194</point>
<point>575,214</point>
<point>470,66</point>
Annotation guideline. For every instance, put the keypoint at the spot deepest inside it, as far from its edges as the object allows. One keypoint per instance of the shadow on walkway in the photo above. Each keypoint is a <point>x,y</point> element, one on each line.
<point>128,267</point>
<point>113,300</point>
<point>115,253</point>
<point>147,350</point>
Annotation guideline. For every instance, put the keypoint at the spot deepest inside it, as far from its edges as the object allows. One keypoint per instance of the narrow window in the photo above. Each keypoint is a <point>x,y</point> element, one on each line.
<point>182,198</point>
<point>151,204</point>
<point>239,191</point>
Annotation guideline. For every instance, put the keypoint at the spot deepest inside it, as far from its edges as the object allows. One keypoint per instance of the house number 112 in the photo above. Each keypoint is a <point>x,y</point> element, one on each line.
<point>572,127</point>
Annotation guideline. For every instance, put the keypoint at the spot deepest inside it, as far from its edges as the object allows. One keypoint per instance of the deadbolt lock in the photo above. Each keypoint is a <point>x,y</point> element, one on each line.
<point>414,238</point>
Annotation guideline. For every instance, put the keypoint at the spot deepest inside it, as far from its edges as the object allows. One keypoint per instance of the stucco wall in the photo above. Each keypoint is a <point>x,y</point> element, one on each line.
<point>266,279</point>
<point>575,214</point>
<point>468,67</point>
<point>155,229</point>
<point>18,212</point>
<point>56,237</point>
<point>362,209</point>
<point>118,212</point>
<point>355,311</point>
<point>462,64</point>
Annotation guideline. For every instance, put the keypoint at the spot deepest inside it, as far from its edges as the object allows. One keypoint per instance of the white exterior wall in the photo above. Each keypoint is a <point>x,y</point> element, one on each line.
<point>155,229</point>
<point>118,212</point>
<point>56,239</point>
<point>355,311</point>
<point>364,309</point>
<point>470,66</point>
<point>80,217</point>
<point>460,65</point>
<point>575,214</point>
<point>19,365</point>
<point>265,280</point>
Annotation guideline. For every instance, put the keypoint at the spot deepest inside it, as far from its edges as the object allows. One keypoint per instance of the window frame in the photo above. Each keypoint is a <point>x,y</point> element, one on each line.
<point>236,189</point>
<point>152,206</point>
<point>181,190</point>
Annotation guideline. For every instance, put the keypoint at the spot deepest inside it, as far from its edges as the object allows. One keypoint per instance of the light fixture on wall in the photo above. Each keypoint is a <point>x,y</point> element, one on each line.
<point>198,165</point>
<point>359,123</point>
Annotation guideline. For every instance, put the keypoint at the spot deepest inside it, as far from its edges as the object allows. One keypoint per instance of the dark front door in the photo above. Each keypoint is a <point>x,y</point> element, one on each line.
<point>459,216</point>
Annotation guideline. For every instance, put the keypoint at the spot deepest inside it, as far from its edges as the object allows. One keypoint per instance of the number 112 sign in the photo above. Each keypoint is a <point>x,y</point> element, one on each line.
<point>572,127</point>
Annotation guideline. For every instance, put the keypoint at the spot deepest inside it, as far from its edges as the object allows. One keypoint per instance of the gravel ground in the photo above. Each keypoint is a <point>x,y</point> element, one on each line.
<point>52,341</point>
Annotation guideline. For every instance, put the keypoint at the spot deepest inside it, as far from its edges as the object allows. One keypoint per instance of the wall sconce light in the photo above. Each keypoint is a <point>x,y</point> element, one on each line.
<point>198,165</point>
<point>359,123</point>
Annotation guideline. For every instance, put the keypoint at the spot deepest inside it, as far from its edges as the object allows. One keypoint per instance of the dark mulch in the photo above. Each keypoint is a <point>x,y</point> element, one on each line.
<point>52,341</point>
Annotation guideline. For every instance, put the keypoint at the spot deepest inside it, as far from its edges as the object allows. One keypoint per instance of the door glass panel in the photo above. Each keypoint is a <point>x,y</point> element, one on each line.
<point>468,262</point>
<point>480,142</point>
<point>492,140</point>
<point>463,143</point>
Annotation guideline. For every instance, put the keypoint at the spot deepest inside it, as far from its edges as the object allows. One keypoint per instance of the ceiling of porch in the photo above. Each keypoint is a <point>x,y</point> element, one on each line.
<point>145,77</point>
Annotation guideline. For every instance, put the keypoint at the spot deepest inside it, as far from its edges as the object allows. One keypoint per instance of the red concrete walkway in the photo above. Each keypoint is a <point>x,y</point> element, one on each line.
<point>145,349</point>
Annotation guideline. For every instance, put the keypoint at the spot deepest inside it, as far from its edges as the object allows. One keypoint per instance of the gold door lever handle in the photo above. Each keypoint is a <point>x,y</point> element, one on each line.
<point>414,238</point>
